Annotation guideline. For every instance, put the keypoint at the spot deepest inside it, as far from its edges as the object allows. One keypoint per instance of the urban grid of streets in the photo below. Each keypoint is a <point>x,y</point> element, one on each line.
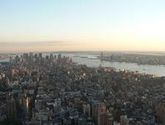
<point>52,90</point>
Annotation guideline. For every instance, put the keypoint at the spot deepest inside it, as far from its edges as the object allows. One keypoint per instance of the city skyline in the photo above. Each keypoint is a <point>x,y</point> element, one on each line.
<point>82,25</point>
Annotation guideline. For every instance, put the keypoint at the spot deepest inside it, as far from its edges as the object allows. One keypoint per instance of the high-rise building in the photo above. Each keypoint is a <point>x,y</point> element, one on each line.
<point>160,112</point>
<point>98,108</point>
<point>124,120</point>
<point>11,109</point>
<point>87,109</point>
<point>106,119</point>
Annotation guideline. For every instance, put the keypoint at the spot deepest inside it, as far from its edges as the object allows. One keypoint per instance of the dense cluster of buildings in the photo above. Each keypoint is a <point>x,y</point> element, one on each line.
<point>139,58</point>
<point>37,89</point>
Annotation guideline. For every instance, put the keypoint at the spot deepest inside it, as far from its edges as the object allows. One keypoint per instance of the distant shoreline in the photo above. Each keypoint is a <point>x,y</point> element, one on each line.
<point>141,59</point>
<point>138,57</point>
<point>157,53</point>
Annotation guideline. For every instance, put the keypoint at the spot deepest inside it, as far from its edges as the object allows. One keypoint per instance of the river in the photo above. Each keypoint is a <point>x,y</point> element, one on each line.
<point>92,61</point>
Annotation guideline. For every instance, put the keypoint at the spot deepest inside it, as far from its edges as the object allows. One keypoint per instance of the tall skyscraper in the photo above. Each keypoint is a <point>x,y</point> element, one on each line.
<point>11,109</point>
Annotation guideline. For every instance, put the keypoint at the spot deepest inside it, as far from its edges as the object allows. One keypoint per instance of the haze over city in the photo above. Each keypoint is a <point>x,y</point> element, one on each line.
<point>82,62</point>
<point>81,25</point>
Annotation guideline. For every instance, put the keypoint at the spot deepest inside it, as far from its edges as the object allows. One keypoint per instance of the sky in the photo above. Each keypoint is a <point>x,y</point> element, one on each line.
<point>81,25</point>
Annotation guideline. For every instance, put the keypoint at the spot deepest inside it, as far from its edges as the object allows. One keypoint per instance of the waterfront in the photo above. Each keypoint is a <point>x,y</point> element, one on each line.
<point>91,60</point>
<point>45,89</point>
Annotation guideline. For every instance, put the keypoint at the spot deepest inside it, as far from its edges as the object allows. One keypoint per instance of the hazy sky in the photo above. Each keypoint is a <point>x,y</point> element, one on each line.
<point>50,25</point>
